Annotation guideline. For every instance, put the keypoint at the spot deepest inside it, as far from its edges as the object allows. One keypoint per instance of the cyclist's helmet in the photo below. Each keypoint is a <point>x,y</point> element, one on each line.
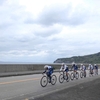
<point>46,66</point>
<point>89,64</point>
<point>94,64</point>
<point>81,64</point>
<point>73,63</point>
<point>63,64</point>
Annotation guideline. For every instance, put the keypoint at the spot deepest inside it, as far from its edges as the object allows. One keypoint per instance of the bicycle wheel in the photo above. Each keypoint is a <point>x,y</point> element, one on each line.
<point>90,73</point>
<point>44,81</point>
<point>72,76</point>
<point>97,72</point>
<point>61,78</point>
<point>77,75</point>
<point>68,77</point>
<point>53,79</point>
<point>84,74</point>
<point>81,74</point>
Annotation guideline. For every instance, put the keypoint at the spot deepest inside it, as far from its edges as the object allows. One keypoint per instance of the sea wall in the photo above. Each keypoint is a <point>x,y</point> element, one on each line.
<point>28,67</point>
<point>24,69</point>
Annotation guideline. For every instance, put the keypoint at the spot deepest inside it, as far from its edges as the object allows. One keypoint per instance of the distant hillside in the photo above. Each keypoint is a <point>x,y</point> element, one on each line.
<point>93,58</point>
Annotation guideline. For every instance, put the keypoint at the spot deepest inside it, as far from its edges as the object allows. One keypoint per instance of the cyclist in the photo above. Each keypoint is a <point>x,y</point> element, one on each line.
<point>48,70</point>
<point>65,68</point>
<point>83,68</point>
<point>74,67</point>
<point>90,67</point>
<point>96,69</point>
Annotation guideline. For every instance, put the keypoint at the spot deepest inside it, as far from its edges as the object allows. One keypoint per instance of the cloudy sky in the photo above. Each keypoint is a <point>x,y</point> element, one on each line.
<point>44,30</point>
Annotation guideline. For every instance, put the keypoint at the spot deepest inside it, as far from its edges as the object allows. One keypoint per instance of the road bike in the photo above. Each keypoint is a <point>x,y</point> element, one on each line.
<point>91,72</point>
<point>63,77</point>
<point>82,74</point>
<point>45,80</point>
<point>96,71</point>
<point>74,75</point>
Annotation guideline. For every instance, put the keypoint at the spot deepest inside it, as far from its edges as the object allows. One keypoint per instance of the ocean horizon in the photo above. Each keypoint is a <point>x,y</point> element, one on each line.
<point>26,62</point>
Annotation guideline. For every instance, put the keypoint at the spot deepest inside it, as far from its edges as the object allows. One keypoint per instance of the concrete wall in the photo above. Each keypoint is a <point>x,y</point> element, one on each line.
<point>27,67</point>
<point>23,67</point>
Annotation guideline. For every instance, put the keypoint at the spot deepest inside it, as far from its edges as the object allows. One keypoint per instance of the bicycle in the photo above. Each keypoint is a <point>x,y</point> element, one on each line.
<point>96,72</point>
<point>63,77</point>
<point>45,80</point>
<point>74,75</point>
<point>91,72</point>
<point>82,74</point>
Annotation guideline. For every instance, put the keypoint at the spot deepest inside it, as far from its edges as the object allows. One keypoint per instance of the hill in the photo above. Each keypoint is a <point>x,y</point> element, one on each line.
<point>92,58</point>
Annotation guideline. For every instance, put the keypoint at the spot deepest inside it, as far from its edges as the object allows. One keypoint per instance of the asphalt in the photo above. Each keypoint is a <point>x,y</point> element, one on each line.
<point>84,91</point>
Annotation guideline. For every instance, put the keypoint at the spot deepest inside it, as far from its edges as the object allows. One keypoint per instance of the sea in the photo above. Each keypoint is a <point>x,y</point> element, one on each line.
<point>26,63</point>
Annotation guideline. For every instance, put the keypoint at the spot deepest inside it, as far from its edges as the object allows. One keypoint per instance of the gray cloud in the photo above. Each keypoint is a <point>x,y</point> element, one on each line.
<point>61,14</point>
<point>30,20</point>
<point>48,31</point>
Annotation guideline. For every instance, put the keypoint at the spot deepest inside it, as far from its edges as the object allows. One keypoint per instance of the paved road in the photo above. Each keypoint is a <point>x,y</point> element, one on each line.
<point>28,87</point>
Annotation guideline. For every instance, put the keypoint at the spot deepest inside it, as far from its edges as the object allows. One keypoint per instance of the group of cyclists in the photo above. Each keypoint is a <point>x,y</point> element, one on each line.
<point>64,68</point>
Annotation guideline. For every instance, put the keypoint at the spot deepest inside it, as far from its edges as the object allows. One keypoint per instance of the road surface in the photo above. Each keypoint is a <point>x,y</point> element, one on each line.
<point>28,87</point>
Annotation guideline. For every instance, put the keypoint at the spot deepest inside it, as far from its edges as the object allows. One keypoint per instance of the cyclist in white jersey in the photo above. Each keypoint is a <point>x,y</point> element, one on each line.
<point>83,68</point>
<point>64,68</point>
<point>90,67</point>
